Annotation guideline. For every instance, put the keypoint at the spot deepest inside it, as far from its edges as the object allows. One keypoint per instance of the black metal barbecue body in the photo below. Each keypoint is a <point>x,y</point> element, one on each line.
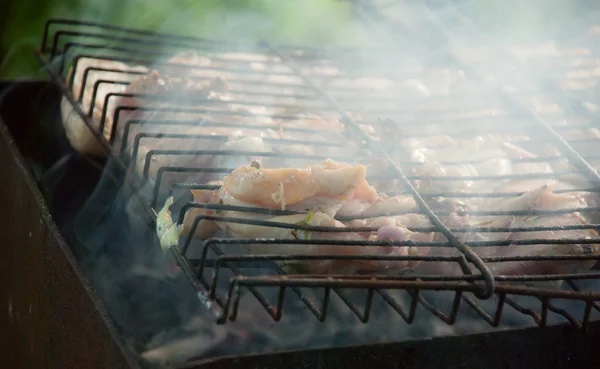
<point>222,312</point>
<point>68,326</point>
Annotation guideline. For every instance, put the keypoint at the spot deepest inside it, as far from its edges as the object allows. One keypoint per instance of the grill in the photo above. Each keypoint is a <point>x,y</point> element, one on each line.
<point>229,283</point>
<point>221,308</point>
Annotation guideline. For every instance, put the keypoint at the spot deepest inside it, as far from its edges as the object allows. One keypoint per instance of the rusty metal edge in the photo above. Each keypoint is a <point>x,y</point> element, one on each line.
<point>7,140</point>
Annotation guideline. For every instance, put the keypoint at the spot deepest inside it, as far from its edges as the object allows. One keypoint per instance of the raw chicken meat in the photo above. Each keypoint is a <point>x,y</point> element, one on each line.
<point>205,228</point>
<point>322,190</point>
<point>188,118</point>
<point>209,147</point>
<point>191,88</point>
<point>78,133</point>
<point>325,187</point>
<point>358,207</point>
<point>541,199</point>
<point>197,114</point>
<point>489,156</point>
<point>318,219</point>
<point>462,179</point>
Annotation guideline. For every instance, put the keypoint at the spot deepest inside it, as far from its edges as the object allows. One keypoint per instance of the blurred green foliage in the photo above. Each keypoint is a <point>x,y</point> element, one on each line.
<point>531,20</point>
<point>301,22</point>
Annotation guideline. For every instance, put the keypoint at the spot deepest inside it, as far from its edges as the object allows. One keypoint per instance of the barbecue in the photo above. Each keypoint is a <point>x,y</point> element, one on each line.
<point>238,199</point>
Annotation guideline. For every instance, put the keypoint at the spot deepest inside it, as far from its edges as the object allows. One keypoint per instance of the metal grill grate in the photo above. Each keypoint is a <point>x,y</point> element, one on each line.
<point>306,75</point>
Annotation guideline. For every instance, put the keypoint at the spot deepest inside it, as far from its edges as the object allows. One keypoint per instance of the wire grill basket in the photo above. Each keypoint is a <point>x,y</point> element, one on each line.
<point>321,82</point>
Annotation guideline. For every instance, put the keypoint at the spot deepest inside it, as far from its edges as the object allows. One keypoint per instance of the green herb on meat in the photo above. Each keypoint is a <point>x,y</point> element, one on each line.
<point>305,221</point>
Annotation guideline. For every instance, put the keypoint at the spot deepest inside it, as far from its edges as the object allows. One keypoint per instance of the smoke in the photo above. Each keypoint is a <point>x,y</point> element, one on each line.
<point>154,306</point>
<point>151,301</point>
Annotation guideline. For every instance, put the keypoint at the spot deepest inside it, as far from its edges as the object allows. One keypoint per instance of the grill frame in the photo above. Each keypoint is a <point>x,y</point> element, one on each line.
<point>505,349</point>
<point>401,282</point>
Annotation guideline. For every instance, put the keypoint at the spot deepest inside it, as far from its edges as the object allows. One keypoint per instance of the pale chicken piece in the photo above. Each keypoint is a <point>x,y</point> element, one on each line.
<point>78,133</point>
<point>160,137</point>
<point>165,99</point>
<point>363,204</point>
<point>315,122</point>
<point>362,83</point>
<point>251,144</point>
<point>444,148</point>
<point>314,131</point>
<point>456,221</point>
<point>555,160</point>
<point>431,170</point>
<point>567,182</point>
<point>155,91</point>
<point>148,167</point>
<point>527,201</point>
<point>546,267</point>
<point>246,56</point>
<point>443,140</point>
<point>190,64</point>
<point>117,122</point>
<point>463,178</point>
<point>432,175</point>
<point>548,200</point>
<point>239,138</point>
<point>320,188</point>
<point>551,201</point>
<point>435,82</point>
<point>366,207</point>
<point>573,180</point>
<point>273,76</point>
<point>448,210</point>
<point>384,233</point>
<point>211,119</point>
<point>491,157</point>
<point>549,266</point>
<point>540,199</point>
<point>324,188</point>
<point>569,185</point>
<point>381,167</point>
<point>428,141</point>
<point>410,221</point>
<point>206,228</point>
<point>189,59</point>
<point>210,139</point>
<point>531,168</point>
<point>407,220</point>
<point>586,142</point>
<point>216,148</point>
